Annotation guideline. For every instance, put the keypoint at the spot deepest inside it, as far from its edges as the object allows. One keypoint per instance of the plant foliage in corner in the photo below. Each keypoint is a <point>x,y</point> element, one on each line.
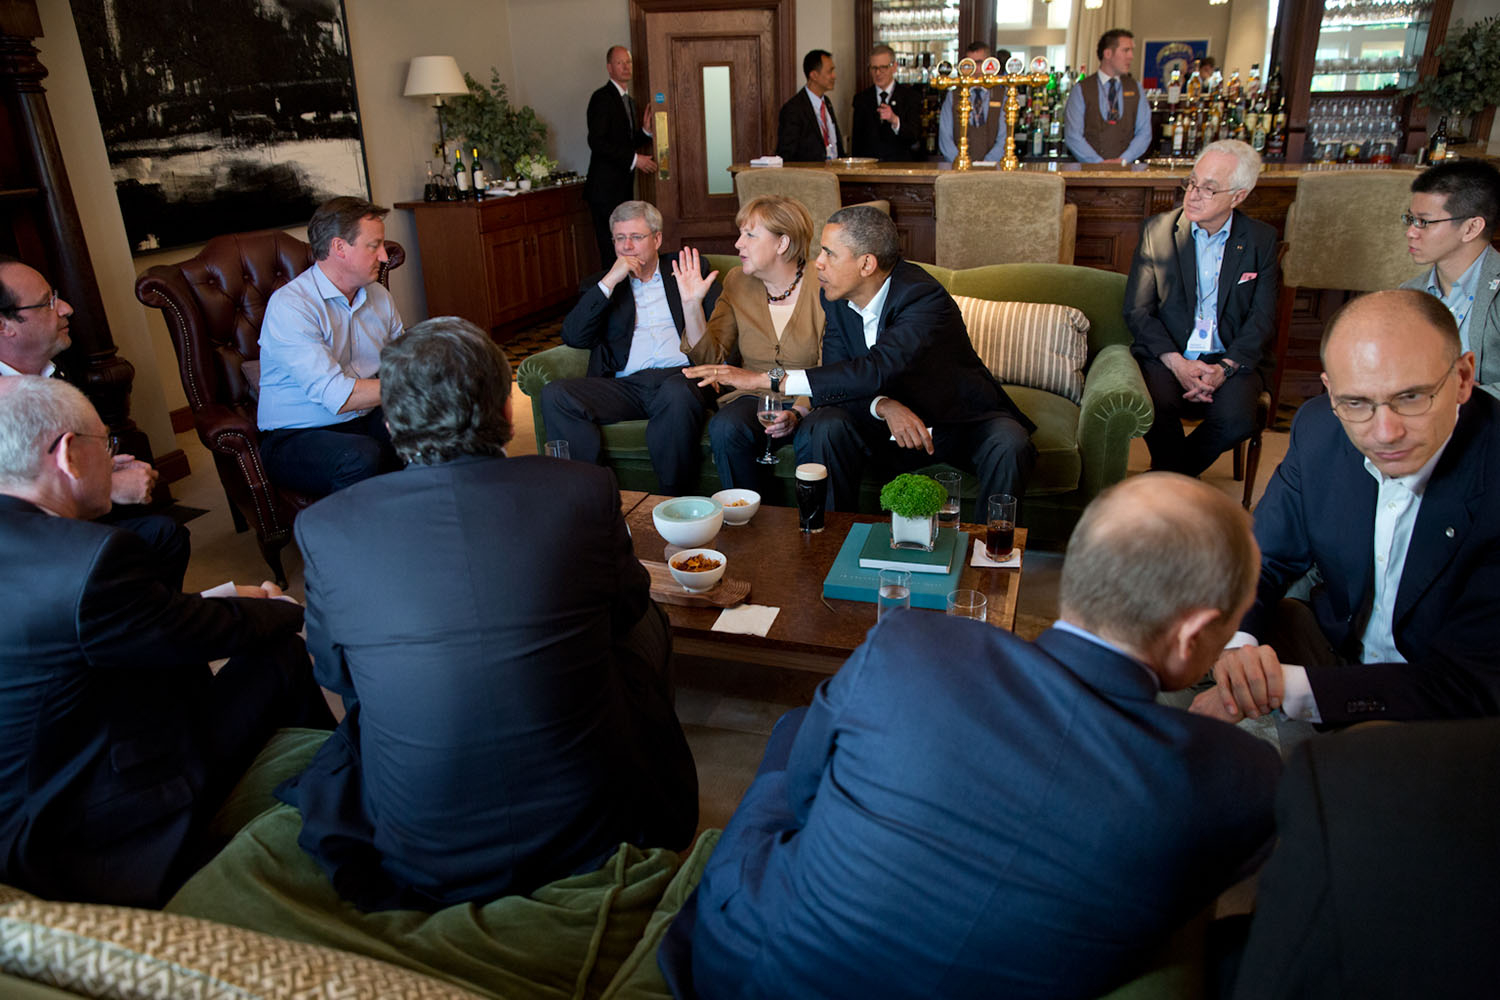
<point>1468,76</point>
<point>503,133</point>
<point>911,495</point>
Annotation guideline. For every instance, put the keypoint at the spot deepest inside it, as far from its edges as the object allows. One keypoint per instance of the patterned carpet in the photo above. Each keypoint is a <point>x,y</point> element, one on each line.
<point>533,339</point>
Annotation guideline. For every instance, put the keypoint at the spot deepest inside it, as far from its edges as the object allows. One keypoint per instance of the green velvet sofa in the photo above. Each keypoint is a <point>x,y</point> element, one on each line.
<point>1081,448</point>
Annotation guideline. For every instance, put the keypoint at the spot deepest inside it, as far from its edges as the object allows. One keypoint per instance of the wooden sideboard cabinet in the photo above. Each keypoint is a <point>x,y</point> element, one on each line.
<point>502,262</point>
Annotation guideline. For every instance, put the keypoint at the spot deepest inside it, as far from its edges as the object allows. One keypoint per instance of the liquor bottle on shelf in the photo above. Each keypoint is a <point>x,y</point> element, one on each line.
<point>1174,88</point>
<point>1252,88</point>
<point>1260,119</point>
<point>481,183</point>
<point>460,175</point>
<point>1179,133</point>
<point>1039,136</point>
<point>1194,85</point>
<point>1233,90</point>
<point>1168,133</point>
<point>1066,83</point>
<point>1274,89</point>
<point>1055,138</point>
<point>1437,146</point>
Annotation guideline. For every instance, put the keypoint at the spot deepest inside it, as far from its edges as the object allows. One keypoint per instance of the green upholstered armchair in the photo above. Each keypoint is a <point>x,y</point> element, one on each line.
<point>1081,448</point>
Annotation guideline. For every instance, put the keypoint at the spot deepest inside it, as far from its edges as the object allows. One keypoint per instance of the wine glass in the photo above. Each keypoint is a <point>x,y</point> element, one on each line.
<point>769,409</point>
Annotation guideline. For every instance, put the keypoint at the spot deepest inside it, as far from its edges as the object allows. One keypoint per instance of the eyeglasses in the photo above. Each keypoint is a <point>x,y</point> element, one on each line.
<point>880,69</point>
<point>51,303</point>
<point>624,239</point>
<point>1409,220</point>
<point>111,443</point>
<point>1191,185</point>
<point>1412,403</point>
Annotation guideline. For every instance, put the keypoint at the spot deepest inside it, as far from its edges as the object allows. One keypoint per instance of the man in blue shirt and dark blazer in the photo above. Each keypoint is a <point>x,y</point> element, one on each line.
<point>1201,303</point>
<point>962,813</point>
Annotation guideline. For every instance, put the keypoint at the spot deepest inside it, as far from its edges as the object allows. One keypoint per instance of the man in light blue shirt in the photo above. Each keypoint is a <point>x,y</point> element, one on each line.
<point>986,119</point>
<point>319,408</point>
<point>1454,209</point>
<point>1107,118</point>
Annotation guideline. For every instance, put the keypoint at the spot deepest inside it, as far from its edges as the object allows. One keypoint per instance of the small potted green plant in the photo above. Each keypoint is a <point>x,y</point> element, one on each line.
<point>914,502</point>
<point>535,168</point>
<point>504,133</point>
<point>1468,76</point>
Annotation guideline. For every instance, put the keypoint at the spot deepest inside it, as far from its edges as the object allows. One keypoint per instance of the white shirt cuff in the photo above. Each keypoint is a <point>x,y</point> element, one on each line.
<point>605,289</point>
<point>795,384</point>
<point>1241,639</point>
<point>874,403</point>
<point>634,159</point>
<point>1297,701</point>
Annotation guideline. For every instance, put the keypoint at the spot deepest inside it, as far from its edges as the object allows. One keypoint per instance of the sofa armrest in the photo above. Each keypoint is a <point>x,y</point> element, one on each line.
<point>1115,408</point>
<point>548,366</point>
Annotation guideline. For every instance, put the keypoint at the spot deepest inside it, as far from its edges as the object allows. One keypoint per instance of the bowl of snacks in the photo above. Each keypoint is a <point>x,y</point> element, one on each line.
<point>739,505</point>
<point>688,521</point>
<point>697,570</point>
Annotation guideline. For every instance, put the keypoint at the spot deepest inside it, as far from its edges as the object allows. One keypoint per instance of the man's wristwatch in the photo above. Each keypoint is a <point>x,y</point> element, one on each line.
<point>777,374</point>
<point>1229,369</point>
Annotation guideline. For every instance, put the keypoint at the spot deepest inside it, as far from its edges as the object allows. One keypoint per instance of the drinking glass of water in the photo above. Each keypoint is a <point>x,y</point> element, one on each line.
<point>894,592</point>
<point>953,483</point>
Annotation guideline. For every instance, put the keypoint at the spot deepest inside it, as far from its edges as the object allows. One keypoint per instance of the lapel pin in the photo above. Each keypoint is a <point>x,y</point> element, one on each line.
<point>1495,284</point>
<point>1449,532</point>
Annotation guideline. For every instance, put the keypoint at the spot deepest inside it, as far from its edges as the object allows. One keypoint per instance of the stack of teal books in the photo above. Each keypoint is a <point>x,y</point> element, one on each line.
<point>855,575</point>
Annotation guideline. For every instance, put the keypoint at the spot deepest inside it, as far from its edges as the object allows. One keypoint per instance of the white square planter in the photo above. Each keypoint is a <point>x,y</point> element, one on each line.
<point>913,532</point>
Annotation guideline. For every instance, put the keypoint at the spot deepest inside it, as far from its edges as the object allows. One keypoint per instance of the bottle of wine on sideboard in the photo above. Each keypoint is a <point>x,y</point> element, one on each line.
<point>460,175</point>
<point>480,181</point>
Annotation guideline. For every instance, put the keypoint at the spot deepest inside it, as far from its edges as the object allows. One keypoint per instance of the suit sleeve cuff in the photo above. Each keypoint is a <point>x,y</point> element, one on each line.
<point>796,384</point>
<point>1297,701</point>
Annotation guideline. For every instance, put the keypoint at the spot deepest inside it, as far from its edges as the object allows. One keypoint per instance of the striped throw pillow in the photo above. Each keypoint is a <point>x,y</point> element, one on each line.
<point>1035,344</point>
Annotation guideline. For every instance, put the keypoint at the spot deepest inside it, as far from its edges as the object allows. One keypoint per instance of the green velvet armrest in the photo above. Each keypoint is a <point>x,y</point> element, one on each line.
<point>1115,408</point>
<point>547,366</point>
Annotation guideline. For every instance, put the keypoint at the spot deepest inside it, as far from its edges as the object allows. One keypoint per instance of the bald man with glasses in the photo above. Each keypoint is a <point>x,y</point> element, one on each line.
<point>1201,304</point>
<point>1385,507</point>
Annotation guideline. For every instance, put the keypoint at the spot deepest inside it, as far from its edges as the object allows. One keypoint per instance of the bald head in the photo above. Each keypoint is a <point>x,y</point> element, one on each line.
<point>1152,549</point>
<point>1397,314</point>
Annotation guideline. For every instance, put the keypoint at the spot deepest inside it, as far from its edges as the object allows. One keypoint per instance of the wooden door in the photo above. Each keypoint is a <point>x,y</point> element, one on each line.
<point>690,53</point>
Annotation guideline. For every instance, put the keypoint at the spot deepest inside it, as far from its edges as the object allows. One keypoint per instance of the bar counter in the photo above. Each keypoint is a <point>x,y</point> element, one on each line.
<point>1112,200</point>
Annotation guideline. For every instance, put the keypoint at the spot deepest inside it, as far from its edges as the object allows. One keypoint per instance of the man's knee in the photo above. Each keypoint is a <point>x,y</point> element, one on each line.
<point>558,398</point>
<point>357,459</point>
<point>678,395</point>
<point>824,428</point>
<point>727,430</point>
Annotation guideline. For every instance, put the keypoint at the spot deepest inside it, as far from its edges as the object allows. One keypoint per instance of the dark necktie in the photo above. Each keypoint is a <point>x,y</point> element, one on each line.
<point>979,102</point>
<point>629,109</point>
<point>885,98</point>
<point>1114,100</point>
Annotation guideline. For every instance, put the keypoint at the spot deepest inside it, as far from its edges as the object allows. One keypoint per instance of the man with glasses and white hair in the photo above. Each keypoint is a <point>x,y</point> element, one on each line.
<point>1201,304</point>
<point>33,332</point>
<point>1454,209</point>
<point>1385,505</point>
<point>629,318</point>
<point>118,744</point>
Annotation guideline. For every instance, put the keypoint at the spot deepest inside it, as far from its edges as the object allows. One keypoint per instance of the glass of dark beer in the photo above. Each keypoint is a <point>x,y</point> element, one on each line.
<point>812,495</point>
<point>1000,531</point>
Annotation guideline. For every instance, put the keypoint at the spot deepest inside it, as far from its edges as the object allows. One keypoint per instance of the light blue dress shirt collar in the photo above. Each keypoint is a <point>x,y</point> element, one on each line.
<point>1460,299</point>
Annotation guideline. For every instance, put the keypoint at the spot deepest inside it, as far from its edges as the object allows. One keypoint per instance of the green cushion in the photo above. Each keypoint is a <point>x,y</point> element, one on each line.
<point>1058,463</point>
<point>287,753</point>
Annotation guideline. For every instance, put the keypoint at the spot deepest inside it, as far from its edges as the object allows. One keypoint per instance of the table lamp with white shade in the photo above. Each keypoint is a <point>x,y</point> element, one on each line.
<point>435,77</point>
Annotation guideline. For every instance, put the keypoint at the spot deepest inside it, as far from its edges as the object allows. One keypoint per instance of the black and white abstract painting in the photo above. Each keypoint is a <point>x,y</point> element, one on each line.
<point>222,115</point>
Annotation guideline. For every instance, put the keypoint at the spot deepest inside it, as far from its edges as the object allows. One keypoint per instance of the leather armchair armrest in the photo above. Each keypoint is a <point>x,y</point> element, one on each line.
<point>1115,408</point>
<point>547,366</point>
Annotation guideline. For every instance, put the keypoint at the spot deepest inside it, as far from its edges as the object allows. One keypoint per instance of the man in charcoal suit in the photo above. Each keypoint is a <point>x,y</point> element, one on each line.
<point>887,114</point>
<point>616,135</point>
<point>806,129</point>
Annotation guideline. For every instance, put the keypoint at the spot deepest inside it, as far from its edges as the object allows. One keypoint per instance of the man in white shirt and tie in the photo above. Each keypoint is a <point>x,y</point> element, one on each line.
<point>1107,119</point>
<point>806,129</point>
<point>1384,504</point>
<point>986,116</point>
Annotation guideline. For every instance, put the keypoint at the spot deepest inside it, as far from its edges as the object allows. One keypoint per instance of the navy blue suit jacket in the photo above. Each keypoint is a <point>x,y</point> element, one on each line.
<point>1002,818</point>
<point>1318,512</point>
<point>605,326</point>
<point>922,357</point>
<point>104,685</point>
<point>469,613</point>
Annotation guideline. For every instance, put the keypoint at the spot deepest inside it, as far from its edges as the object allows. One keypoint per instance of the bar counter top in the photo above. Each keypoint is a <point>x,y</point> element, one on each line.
<point>1071,171</point>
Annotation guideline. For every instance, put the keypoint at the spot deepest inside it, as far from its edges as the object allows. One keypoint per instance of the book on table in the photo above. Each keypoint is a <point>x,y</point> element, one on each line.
<point>848,581</point>
<point>877,553</point>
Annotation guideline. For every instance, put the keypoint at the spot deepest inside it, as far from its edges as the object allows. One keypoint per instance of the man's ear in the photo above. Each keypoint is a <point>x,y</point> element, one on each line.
<point>867,265</point>
<point>64,458</point>
<point>510,407</point>
<point>1185,652</point>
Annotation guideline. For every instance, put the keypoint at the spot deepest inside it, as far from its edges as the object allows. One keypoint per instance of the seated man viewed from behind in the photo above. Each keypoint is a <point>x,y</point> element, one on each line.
<point>961,813</point>
<point>319,406</point>
<point>899,382</point>
<point>1385,503</point>
<point>1454,210</point>
<point>630,320</point>
<point>486,621</point>
<point>117,742</point>
<point>1201,304</point>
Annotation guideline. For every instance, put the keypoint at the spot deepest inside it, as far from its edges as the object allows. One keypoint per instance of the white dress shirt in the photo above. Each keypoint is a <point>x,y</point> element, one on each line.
<point>796,384</point>
<point>46,372</point>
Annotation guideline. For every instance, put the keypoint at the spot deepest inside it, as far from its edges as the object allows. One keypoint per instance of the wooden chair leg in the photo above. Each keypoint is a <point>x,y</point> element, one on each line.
<point>1252,465</point>
<point>1239,461</point>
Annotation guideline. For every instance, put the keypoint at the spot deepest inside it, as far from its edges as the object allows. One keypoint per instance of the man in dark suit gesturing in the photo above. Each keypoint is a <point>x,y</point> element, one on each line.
<point>1201,304</point>
<point>117,742</point>
<point>887,114</point>
<point>615,138</point>
<point>806,130</point>
<point>1385,500</point>
<point>630,320</point>
<point>961,813</point>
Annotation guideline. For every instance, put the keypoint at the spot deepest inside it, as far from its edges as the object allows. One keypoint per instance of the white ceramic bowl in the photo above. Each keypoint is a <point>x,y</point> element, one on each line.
<point>698,582</point>
<point>743,513</point>
<point>688,521</point>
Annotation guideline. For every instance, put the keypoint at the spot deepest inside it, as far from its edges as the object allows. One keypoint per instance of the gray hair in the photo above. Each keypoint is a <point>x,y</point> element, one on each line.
<point>883,49</point>
<point>444,384</point>
<point>1134,567</point>
<point>627,210</point>
<point>1246,161</point>
<point>34,412</point>
<point>869,230</point>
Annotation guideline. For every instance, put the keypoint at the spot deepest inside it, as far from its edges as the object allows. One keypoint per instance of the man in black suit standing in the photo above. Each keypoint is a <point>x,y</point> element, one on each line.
<point>900,382</point>
<point>630,320</point>
<point>806,130</point>
<point>117,742</point>
<point>615,136</point>
<point>1201,304</point>
<point>887,114</point>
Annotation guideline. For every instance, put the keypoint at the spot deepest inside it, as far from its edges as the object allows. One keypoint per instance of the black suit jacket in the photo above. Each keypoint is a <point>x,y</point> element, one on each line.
<point>1161,294</point>
<point>497,739</point>
<point>613,141</point>
<point>798,135</point>
<point>922,356</point>
<point>105,681</point>
<point>1383,883</point>
<point>1319,512</point>
<point>873,137</point>
<point>604,326</point>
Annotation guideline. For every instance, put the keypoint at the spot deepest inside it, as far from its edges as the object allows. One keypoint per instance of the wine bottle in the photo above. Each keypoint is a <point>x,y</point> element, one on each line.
<point>480,181</point>
<point>460,175</point>
<point>1437,146</point>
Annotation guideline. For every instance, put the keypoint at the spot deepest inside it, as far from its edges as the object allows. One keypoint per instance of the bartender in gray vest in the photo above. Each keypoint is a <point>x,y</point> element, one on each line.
<point>1108,119</point>
<point>986,119</point>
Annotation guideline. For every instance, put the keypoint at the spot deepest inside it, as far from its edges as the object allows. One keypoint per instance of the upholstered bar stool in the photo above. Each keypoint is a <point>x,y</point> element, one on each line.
<point>1002,217</point>
<point>818,190</point>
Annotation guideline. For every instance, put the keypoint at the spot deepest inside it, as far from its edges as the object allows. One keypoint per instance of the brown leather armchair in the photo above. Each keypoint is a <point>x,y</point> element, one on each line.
<point>213,304</point>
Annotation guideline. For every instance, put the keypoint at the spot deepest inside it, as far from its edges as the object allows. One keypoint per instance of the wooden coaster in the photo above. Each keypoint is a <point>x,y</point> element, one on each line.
<point>664,587</point>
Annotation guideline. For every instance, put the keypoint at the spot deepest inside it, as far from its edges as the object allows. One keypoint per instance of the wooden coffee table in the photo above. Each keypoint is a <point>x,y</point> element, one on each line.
<point>785,569</point>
